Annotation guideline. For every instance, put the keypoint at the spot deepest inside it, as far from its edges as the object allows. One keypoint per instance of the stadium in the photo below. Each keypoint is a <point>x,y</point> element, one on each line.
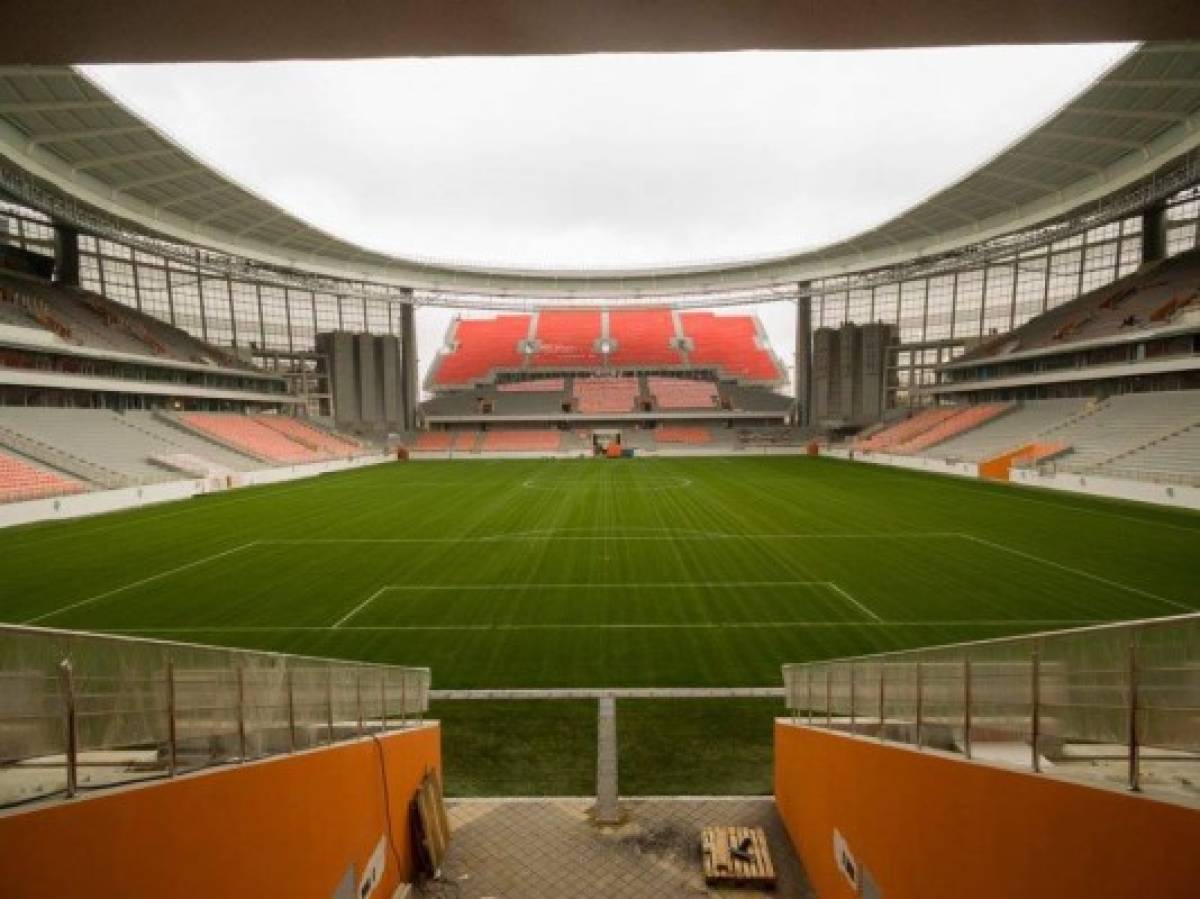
<point>606,590</point>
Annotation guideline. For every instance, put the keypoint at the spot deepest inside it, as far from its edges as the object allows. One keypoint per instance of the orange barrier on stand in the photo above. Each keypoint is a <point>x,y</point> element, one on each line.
<point>290,825</point>
<point>926,825</point>
<point>998,467</point>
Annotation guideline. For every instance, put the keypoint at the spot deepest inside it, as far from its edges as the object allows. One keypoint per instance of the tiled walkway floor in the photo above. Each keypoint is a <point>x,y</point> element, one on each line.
<point>549,849</point>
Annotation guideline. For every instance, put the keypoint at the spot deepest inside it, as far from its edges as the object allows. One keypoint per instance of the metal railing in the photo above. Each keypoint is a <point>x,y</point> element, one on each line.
<point>81,710</point>
<point>1115,695</point>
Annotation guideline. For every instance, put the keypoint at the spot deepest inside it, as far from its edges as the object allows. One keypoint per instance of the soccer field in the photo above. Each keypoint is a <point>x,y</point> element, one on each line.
<point>671,572</point>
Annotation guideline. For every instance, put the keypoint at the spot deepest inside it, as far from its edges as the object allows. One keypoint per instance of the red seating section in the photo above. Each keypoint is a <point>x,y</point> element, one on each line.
<point>22,481</point>
<point>910,428</point>
<point>464,441</point>
<point>676,393</point>
<point>481,346</point>
<point>643,337</point>
<point>250,435</point>
<point>316,439</point>
<point>540,385</point>
<point>729,342</point>
<point>521,441</point>
<point>434,441</point>
<point>594,395</point>
<point>678,434</point>
<point>965,419</point>
<point>567,339</point>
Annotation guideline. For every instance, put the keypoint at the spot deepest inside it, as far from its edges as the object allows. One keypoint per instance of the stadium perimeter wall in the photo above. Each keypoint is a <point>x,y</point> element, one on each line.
<point>928,825</point>
<point>313,824</point>
<point>439,455</point>
<point>1179,496</point>
<point>99,502</point>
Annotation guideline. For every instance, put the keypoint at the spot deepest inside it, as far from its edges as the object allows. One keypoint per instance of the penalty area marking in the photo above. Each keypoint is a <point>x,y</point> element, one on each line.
<point>138,583</point>
<point>830,586</point>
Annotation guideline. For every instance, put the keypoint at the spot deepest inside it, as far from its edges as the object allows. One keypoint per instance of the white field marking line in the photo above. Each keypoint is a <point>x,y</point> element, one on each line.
<point>1079,571</point>
<point>492,588</point>
<point>138,583</point>
<point>858,605</point>
<point>358,608</point>
<point>521,536</point>
<point>661,484</point>
<point>705,625</point>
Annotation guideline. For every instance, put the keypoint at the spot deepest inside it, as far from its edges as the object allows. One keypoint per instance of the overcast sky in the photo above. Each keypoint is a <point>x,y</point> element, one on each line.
<point>610,160</point>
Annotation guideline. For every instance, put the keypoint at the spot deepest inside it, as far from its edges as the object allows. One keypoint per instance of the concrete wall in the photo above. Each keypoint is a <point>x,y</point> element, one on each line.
<point>927,825</point>
<point>849,363</point>
<point>102,501</point>
<point>1111,488</point>
<point>826,375</point>
<point>391,385</point>
<point>296,826</point>
<point>370,403</point>
<point>915,463</point>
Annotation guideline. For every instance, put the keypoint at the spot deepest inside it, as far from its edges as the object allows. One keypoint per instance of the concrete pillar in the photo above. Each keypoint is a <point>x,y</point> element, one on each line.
<point>410,386</point>
<point>1154,233</point>
<point>607,810</point>
<point>803,360</point>
<point>66,255</point>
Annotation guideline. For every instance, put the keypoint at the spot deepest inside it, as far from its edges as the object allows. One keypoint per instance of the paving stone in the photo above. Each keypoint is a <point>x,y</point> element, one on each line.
<point>550,849</point>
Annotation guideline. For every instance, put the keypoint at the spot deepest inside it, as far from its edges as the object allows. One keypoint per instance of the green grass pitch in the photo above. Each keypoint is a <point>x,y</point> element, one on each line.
<point>671,572</point>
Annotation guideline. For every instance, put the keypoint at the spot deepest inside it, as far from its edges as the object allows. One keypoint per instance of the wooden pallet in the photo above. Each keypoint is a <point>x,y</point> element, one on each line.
<point>723,869</point>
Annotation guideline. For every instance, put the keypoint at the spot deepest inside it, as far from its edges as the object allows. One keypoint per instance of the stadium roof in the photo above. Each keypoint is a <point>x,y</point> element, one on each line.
<point>79,31</point>
<point>1119,134</point>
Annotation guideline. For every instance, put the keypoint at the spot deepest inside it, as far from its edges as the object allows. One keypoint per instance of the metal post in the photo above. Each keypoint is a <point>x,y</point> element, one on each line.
<point>1135,774</point>
<point>172,736</point>
<point>810,702</point>
<point>1035,710</point>
<point>291,691</point>
<point>967,707</point>
<point>920,701</point>
<point>71,725</point>
<point>882,706</point>
<point>852,667</point>
<point>358,699</point>
<point>329,701</point>
<point>383,699</point>
<point>607,808</point>
<point>828,695</point>
<point>241,710</point>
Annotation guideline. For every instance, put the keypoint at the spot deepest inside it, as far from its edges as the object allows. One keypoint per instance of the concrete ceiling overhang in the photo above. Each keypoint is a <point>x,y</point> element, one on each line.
<point>58,32</point>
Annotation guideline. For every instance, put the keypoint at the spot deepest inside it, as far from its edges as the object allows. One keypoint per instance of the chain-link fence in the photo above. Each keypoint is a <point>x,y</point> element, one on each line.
<point>1112,701</point>
<point>81,710</point>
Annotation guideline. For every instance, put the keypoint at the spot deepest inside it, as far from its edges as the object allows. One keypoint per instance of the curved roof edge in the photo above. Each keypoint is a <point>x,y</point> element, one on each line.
<point>1143,114</point>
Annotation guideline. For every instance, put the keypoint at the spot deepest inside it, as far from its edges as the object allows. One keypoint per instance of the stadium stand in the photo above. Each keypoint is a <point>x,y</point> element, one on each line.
<point>682,434</point>
<point>116,448</point>
<point>1018,426</point>
<point>679,393</point>
<point>465,441</point>
<point>21,480</point>
<point>1119,426</point>
<point>907,430</point>
<point>599,395</point>
<point>316,439</point>
<point>643,337</point>
<point>1174,458</point>
<point>531,441</point>
<point>479,347</point>
<point>537,385</point>
<point>433,441</point>
<point>965,419</point>
<point>567,339</point>
<point>245,434</point>
<point>730,342</point>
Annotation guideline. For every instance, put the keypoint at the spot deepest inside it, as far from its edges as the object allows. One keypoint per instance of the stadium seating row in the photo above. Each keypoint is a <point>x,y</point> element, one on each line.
<point>21,480</point>
<point>598,395</point>
<point>576,340</point>
<point>677,393</point>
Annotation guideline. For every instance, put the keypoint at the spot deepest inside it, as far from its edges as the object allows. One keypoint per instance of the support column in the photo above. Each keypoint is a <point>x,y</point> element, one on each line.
<point>607,810</point>
<point>66,255</point>
<point>1154,233</point>
<point>408,366</point>
<point>803,360</point>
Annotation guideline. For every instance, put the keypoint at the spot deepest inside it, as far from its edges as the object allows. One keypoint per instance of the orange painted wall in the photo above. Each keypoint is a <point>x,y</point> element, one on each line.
<point>929,826</point>
<point>286,826</point>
